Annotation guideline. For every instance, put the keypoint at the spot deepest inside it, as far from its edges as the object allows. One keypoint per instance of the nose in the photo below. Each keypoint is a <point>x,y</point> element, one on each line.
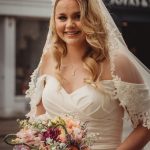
<point>70,23</point>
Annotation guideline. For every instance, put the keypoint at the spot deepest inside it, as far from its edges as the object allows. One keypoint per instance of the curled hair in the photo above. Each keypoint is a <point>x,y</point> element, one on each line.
<point>96,37</point>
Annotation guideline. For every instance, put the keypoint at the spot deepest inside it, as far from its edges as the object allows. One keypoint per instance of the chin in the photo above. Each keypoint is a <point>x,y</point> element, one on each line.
<point>74,41</point>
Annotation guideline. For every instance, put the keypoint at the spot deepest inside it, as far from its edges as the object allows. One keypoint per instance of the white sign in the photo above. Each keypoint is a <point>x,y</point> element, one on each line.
<point>131,3</point>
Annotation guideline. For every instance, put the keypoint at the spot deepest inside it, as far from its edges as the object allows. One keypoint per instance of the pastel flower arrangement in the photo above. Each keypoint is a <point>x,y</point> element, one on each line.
<point>60,133</point>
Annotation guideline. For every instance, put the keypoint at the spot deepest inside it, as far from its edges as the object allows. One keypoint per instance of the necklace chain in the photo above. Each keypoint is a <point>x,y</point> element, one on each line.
<point>74,69</point>
<point>74,72</point>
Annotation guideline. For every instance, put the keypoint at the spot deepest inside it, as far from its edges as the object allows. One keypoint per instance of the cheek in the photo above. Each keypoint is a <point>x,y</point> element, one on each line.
<point>79,26</point>
<point>59,27</point>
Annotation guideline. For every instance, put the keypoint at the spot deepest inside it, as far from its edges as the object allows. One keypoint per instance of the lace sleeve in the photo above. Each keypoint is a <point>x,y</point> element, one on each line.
<point>35,94</point>
<point>135,99</point>
<point>131,90</point>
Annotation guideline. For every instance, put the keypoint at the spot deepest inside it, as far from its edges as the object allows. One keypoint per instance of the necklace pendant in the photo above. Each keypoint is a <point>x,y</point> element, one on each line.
<point>73,74</point>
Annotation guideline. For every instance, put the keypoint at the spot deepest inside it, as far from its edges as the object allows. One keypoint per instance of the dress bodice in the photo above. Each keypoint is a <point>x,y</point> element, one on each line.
<point>103,113</point>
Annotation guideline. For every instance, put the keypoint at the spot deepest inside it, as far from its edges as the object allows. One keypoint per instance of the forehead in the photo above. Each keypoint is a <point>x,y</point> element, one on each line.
<point>67,6</point>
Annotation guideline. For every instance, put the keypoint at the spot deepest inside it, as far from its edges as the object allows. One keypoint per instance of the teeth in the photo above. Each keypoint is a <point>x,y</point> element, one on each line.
<point>71,33</point>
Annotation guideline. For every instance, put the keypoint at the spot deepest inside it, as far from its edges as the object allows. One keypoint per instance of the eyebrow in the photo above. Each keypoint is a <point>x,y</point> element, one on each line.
<point>75,13</point>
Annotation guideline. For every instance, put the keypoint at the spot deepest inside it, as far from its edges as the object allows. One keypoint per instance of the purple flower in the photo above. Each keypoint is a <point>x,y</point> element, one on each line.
<point>52,133</point>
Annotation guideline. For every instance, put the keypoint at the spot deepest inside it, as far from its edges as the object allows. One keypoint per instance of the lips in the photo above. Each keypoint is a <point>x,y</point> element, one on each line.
<point>71,33</point>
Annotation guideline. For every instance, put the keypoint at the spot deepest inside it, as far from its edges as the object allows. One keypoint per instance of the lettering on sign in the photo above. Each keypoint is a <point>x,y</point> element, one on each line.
<point>131,3</point>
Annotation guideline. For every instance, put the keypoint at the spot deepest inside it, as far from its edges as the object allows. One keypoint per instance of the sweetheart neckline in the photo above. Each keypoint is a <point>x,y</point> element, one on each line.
<point>64,90</point>
<point>82,87</point>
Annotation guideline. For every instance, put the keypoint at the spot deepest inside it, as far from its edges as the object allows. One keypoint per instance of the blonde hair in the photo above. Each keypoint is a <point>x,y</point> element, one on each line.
<point>96,38</point>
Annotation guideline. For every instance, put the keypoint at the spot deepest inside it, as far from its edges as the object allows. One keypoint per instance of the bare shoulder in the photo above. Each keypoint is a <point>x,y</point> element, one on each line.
<point>126,69</point>
<point>47,64</point>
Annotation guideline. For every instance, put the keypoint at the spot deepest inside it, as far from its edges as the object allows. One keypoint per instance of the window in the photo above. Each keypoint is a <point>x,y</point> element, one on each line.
<point>30,40</point>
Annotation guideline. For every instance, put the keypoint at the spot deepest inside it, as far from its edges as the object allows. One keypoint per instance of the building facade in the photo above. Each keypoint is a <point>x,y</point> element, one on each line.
<point>23,28</point>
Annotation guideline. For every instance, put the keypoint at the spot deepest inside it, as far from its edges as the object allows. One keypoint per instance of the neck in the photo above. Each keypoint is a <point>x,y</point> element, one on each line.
<point>75,53</point>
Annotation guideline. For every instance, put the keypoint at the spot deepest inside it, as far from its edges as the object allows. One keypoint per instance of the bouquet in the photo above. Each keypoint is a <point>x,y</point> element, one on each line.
<point>60,133</point>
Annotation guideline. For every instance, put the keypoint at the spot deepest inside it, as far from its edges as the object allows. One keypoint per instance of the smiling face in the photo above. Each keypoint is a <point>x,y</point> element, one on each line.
<point>67,22</point>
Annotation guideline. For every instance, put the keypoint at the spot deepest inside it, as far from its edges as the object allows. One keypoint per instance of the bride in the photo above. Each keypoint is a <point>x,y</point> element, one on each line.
<point>87,69</point>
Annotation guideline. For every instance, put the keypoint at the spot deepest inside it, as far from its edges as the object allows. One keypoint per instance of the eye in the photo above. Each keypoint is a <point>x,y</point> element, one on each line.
<point>62,18</point>
<point>77,16</point>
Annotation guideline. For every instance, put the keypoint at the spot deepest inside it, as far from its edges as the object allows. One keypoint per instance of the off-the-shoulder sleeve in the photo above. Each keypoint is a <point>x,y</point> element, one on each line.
<point>36,95</point>
<point>135,99</point>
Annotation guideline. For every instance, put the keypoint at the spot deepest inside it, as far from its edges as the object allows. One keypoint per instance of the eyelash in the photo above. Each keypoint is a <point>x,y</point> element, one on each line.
<point>77,16</point>
<point>63,18</point>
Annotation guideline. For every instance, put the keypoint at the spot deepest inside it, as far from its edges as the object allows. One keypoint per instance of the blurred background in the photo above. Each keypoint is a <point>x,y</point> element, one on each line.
<point>23,30</point>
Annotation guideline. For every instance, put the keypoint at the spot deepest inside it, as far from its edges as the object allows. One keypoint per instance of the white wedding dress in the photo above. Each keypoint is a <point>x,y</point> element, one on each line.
<point>101,108</point>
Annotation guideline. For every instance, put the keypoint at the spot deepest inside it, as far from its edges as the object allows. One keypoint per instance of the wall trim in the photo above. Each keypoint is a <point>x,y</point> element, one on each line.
<point>25,8</point>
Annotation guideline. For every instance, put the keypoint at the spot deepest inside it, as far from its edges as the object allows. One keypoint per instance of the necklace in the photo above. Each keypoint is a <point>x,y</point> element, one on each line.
<point>71,69</point>
<point>74,72</point>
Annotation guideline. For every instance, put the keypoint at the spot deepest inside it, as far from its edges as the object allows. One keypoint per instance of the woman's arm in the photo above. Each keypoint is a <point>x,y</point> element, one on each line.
<point>136,140</point>
<point>40,109</point>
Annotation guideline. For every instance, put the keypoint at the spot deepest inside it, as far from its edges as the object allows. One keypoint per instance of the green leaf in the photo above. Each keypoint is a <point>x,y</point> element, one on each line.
<point>8,139</point>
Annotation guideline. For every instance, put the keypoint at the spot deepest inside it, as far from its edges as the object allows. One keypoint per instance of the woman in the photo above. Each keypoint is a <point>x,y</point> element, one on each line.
<point>87,69</point>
